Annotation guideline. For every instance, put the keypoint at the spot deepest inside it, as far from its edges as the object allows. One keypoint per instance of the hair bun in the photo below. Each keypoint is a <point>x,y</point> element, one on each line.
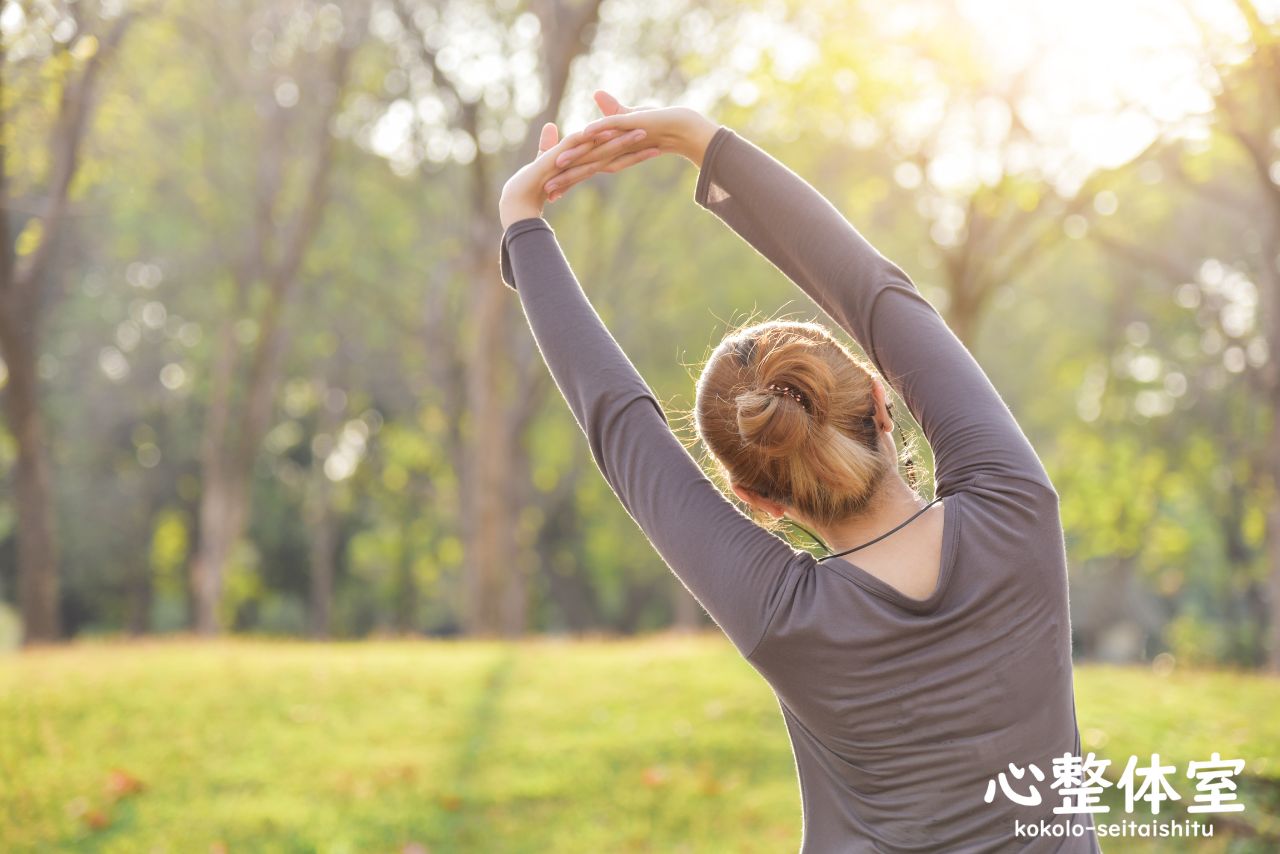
<point>783,409</point>
<point>789,403</point>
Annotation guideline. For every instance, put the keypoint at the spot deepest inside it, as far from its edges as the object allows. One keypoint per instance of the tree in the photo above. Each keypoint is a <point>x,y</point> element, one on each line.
<point>491,371</point>
<point>56,44</point>
<point>1249,108</point>
<point>293,108</point>
<point>1244,79</point>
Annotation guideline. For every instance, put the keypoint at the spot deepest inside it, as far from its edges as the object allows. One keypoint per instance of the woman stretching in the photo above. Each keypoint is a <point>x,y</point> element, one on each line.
<point>925,683</point>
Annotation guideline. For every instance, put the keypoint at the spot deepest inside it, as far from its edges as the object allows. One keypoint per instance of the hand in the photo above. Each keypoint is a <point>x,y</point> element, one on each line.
<point>679,130</point>
<point>524,195</point>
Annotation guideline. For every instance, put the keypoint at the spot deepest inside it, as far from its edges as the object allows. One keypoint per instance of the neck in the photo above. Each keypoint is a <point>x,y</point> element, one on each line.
<point>892,505</point>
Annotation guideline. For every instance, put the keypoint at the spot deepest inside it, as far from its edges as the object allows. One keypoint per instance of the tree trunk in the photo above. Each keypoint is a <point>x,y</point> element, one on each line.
<point>521,561</point>
<point>21,280</point>
<point>1271,460</point>
<point>321,531</point>
<point>37,546</point>
<point>490,460</point>
<point>322,545</point>
<point>490,607</point>
<point>405,617</point>
<point>229,448</point>
<point>223,510</point>
<point>141,587</point>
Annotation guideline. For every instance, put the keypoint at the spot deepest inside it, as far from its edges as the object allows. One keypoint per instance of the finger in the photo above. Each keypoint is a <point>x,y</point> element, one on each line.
<point>566,179</point>
<point>549,137</point>
<point>620,163</point>
<point>617,140</point>
<point>581,136</point>
<point>601,155</point>
<point>569,155</point>
<point>621,121</point>
<point>569,177</point>
<point>608,104</point>
<point>615,165</point>
<point>545,161</point>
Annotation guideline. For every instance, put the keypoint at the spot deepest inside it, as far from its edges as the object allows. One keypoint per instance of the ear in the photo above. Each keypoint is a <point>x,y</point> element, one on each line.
<point>759,502</point>
<point>883,419</point>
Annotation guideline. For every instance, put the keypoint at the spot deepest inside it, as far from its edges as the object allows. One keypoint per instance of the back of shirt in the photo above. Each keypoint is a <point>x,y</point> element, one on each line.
<point>901,711</point>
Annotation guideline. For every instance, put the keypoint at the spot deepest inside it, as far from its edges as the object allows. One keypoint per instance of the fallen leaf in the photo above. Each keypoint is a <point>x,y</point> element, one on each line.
<point>121,784</point>
<point>654,776</point>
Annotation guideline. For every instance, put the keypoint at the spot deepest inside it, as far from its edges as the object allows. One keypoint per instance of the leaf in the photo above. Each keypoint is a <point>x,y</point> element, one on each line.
<point>655,776</point>
<point>122,784</point>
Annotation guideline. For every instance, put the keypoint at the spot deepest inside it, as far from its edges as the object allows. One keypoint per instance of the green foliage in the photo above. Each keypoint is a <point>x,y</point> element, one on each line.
<point>1115,362</point>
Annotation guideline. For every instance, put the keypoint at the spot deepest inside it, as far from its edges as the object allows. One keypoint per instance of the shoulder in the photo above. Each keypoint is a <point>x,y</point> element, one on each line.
<point>1012,532</point>
<point>1016,499</point>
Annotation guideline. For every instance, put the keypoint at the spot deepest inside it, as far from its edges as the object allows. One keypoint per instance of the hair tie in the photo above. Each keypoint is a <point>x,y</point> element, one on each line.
<point>790,392</point>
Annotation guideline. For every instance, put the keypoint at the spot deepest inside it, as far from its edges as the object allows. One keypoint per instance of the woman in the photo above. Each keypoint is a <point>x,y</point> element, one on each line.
<point>921,681</point>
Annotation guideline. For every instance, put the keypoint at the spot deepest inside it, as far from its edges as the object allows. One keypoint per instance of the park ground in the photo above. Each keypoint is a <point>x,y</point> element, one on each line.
<point>664,743</point>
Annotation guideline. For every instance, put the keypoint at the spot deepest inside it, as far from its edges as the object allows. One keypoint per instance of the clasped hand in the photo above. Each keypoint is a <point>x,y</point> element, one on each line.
<point>623,137</point>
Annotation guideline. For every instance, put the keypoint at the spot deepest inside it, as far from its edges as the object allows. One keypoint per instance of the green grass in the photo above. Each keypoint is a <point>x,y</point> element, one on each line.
<point>660,744</point>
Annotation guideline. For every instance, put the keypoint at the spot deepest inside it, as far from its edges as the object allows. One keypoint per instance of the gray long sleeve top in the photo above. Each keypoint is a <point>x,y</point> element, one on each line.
<point>901,711</point>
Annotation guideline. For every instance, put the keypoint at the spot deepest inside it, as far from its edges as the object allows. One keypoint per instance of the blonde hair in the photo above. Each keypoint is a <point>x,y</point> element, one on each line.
<point>788,412</point>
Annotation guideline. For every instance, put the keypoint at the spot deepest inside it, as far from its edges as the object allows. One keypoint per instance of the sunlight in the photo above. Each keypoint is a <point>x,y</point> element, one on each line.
<point>1115,70</point>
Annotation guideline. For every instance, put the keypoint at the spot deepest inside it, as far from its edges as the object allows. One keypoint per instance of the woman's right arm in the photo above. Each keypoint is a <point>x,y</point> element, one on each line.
<point>971,430</point>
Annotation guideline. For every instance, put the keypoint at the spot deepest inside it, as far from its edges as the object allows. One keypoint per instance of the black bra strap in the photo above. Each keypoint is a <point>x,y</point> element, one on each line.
<point>896,528</point>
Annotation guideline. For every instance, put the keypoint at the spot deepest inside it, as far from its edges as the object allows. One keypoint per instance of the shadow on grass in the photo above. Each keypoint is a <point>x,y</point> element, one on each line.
<point>457,806</point>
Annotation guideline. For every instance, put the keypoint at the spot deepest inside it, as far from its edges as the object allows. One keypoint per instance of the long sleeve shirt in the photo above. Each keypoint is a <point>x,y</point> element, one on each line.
<point>914,723</point>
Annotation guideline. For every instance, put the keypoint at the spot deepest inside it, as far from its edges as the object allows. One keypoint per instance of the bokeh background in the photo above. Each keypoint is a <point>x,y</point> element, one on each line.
<point>263,387</point>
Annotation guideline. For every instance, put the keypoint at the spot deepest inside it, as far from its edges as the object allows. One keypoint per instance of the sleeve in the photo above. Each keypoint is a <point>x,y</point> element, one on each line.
<point>738,571</point>
<point>970,429</point>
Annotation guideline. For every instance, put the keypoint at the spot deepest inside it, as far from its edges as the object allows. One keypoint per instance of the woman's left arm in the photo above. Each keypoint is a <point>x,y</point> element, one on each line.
<point>738,571</point>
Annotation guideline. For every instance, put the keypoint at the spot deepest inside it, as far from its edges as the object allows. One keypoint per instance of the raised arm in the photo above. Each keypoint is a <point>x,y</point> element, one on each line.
<point>971,430</point>
<point>738,571</point>
<point>735,569</point>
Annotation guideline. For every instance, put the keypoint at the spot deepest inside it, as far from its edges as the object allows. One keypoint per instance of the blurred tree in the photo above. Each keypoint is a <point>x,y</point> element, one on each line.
<point>1232,170</point>
<point>1248,103</point>
<point>932,116</point>
<point>294,97</point>
<point>1135,370</point>
<point>490,373</point>
<point>57,59</point>
<point>468,104</point>
<point>319,512</point>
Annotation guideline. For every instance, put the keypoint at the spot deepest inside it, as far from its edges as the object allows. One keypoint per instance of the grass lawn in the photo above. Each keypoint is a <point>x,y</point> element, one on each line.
<point>658,744</point>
